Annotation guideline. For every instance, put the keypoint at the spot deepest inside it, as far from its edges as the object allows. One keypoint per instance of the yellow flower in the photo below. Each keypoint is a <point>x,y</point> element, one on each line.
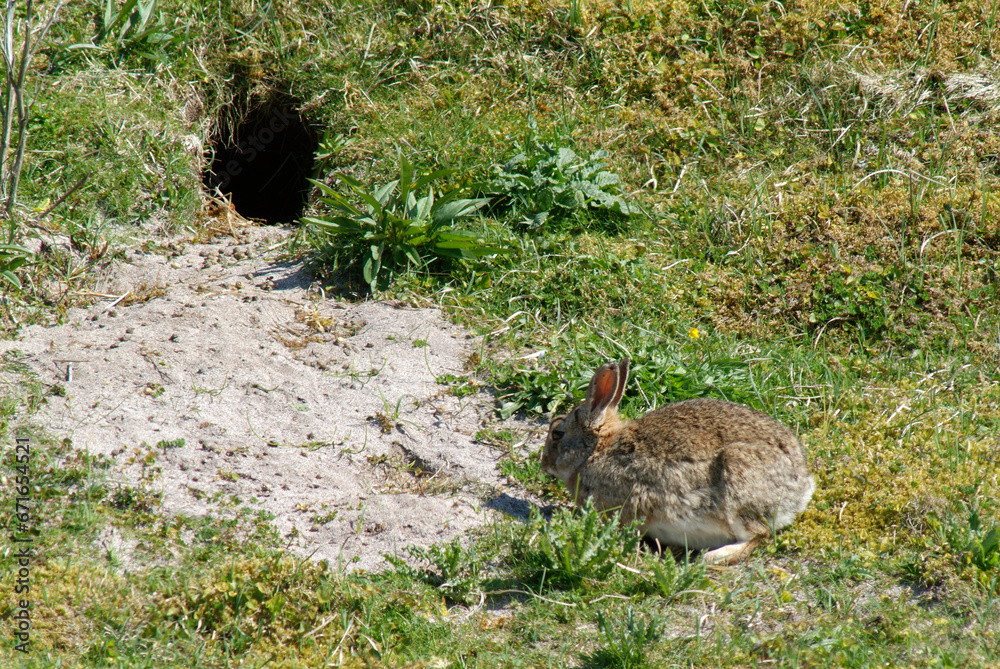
<point>693,333</point>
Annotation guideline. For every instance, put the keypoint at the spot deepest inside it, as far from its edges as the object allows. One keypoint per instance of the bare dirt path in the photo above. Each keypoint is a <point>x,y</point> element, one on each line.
<point>223,377</point>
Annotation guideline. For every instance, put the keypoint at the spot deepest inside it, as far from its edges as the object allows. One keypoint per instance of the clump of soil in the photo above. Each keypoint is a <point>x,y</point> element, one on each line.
<point>221,375</point>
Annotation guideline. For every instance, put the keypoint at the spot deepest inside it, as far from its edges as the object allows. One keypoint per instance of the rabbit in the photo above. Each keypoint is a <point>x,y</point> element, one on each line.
<point>700,474</point>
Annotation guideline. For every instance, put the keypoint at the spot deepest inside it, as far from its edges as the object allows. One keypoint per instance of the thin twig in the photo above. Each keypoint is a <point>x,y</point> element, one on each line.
<point>76,187</point>
<point>369,44</point>
<point>115,303</point>
<point>531,594</point>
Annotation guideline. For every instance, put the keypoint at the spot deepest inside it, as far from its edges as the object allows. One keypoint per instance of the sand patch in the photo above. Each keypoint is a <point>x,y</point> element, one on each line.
<point>221,375</point>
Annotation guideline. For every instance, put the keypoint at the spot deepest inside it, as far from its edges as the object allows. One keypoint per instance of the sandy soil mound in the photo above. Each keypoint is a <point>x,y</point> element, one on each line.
<point>221,374</point>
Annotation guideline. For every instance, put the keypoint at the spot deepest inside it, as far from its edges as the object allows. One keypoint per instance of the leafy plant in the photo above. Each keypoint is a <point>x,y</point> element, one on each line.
<point>553,182</point>
<point>328,149</point>
<point>459,386</point>
<point>394,229</point>
<point>859,298</point>
<point>672,579</point>
<point>625,645</point>
<point>452,568</point>
<point>573,546</point>
<point>962,539</point>
<point>11,258</point>
<point>982,545</point>
<point>134,25</point>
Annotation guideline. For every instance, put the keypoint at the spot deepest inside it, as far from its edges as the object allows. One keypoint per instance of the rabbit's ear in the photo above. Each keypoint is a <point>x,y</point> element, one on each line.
<point>604,392</point>
<point>622,381</point>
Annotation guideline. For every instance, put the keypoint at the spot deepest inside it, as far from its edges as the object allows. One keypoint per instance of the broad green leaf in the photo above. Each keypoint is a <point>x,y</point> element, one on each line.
<point>508,409</point>
<point>335,224</point>
<point>324,188</point>
<point>411,205</point>
<point>12,257</point>
<point>416,227</point>
<point>457,236</point>
<point>424,205</point>
<point>458,254</point>
<point>439,202</point>
<point>405,181</point>
<point>566,156</point>
<point>458,208</point>
<point>589,189</point>
<point>371,267</point>
<point>11,278</point>
<point>382,194</point>
<point>472,250</point>
<point>602,179</point>
<point>367,269</point>
<point>433,176</point>
<point>356,186</point>
<point>109,8</point>
<point>145,11</point>
<point>538,220</point>
<point>411,253</point>
<point>514,162</point>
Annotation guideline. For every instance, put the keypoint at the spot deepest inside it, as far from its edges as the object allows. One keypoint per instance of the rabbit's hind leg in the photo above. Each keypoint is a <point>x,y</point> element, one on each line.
<point>731,554</point>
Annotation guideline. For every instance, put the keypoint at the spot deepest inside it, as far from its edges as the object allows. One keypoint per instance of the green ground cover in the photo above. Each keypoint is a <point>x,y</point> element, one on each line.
<point>798,211</point>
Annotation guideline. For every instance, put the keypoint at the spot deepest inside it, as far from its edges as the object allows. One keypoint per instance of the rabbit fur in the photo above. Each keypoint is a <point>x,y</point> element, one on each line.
<point>701,474</point>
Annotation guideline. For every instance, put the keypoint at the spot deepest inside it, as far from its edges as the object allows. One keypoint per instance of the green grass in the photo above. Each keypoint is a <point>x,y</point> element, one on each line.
<point>818,238</point>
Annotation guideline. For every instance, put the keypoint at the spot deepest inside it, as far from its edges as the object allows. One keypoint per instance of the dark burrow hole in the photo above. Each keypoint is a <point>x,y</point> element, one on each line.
<point>263,158</point>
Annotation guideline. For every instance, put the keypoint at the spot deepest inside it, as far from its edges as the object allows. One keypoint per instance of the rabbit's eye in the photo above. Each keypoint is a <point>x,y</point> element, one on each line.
<point>558,434</point>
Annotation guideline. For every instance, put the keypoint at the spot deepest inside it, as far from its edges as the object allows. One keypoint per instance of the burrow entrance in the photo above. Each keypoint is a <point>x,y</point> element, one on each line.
<point>263,160</point>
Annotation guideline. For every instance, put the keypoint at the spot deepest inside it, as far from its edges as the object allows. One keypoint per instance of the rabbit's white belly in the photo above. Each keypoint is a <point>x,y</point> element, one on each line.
<point>693,532</point>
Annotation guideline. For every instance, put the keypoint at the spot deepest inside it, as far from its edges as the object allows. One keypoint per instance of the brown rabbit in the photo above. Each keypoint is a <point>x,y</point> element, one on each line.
<point>701,473</point>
